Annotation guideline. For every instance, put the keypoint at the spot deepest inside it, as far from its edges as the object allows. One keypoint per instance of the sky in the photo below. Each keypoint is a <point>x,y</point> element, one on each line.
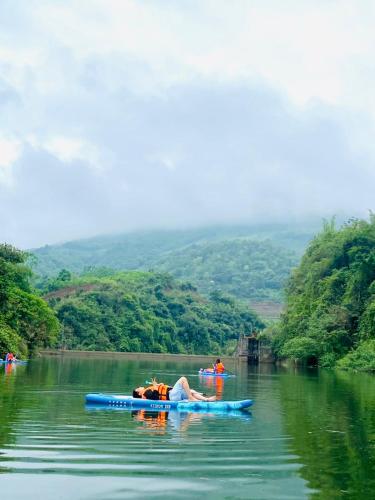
<point>119,115</point>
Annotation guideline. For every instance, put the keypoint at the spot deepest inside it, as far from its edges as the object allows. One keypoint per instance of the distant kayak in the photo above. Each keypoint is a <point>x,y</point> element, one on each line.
<point>16,362</point>
<point>207,373</point>
<point>130,402</point>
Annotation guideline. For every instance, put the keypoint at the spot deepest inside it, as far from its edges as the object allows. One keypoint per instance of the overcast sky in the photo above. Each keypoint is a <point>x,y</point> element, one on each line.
<point>126,114</point>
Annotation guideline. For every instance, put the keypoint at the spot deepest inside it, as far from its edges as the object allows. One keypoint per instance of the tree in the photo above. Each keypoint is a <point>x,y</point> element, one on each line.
<point>26,321</point>
<point>330,296</point>
<point>148,312</point>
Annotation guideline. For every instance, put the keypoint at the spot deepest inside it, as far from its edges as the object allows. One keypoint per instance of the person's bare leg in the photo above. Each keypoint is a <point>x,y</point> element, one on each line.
<point>191,393</point>
<point>199,396</point>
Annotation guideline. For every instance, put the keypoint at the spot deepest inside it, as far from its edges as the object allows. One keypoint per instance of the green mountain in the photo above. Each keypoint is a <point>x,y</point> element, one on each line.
<point>247,269</point>
<point>249,262</point>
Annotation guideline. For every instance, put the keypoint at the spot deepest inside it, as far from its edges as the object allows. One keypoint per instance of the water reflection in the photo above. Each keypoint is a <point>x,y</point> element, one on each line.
<point>213,384</point>
<point>312,434</point>
<point>331,419</point>
<point>163,421</point>
<point>175,420</point>
<point>9,368</point>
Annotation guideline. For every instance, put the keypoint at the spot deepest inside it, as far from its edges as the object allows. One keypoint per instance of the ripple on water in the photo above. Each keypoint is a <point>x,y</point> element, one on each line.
<point>55,448</point>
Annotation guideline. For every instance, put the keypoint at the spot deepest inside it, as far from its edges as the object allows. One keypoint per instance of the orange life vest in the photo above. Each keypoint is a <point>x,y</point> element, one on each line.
<point>162,389</point>
<point>219,368</point>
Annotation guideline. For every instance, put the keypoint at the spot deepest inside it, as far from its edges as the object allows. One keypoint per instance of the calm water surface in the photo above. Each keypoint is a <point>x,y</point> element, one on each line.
<point>310,434</point>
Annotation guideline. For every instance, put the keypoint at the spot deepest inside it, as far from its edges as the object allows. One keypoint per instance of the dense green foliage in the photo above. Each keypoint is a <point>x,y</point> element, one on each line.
<point>26,321</point>
<point>249,262</point>
<point>331,298</point>
<point>361,359</point>
<point>244,268</point>
<point>145,312</point>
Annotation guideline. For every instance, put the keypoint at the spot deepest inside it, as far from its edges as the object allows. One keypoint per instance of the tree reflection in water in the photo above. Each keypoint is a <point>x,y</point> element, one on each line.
<point>331,419</point>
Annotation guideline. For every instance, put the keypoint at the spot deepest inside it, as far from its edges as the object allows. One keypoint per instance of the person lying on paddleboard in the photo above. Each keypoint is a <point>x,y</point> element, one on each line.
<point>179,392</point>
<point>218,367</point>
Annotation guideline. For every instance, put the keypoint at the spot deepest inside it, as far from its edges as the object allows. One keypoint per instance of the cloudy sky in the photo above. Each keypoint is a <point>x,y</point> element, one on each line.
<point>125,114</point>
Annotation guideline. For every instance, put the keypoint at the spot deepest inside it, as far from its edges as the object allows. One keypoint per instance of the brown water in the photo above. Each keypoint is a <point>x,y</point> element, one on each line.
<point>311,434</point>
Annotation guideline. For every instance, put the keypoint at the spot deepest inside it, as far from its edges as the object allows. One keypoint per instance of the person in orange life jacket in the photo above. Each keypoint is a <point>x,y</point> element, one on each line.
<point>179,392</point>
<point>158,392</point>
<point>219,367</point>
<point>10,357</point>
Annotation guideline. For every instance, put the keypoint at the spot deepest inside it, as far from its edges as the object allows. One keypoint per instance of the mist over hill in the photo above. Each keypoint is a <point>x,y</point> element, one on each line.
<point>249,262</point>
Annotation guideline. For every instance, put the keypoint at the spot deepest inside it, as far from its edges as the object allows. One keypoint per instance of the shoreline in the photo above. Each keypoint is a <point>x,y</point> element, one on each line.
<point>134,355</point>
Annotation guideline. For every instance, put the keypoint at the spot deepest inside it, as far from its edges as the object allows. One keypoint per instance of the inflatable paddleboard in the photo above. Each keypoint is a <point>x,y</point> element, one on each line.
<point>136,403</point>
<point>206,373</point>
<point>17,362</point>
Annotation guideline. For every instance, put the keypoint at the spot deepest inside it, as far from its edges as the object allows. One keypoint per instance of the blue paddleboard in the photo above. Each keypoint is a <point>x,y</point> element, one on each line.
<point>17,362</point>
<point>206,373</point>
<point>136,403</point>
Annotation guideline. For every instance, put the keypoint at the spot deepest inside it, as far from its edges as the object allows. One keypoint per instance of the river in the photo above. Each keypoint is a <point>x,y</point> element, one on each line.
<point>310,434</point>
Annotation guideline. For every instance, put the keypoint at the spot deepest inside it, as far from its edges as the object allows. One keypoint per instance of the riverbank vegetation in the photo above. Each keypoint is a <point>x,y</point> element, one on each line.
<point>26,321</point>
<point>330,300</point>
<point>144,312</point>
<point>329,317</point>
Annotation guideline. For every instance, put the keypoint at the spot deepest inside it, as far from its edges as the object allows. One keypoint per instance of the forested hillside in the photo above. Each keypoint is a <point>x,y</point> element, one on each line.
<point>145,312</point>
<point>141,250</point>
<point>249,262</point>
<point>330,314</point>
<point>26,321</point>
<point>244,268</point>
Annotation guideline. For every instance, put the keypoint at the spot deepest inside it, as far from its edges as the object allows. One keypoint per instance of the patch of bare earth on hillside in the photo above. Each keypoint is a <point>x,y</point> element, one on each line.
<point>69,290</point>
<point>266,309</point>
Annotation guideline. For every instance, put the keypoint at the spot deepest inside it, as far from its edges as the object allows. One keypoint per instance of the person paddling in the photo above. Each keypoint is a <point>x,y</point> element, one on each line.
<point>162,392</point>
<point>10,357</point>
<point>219,366</point>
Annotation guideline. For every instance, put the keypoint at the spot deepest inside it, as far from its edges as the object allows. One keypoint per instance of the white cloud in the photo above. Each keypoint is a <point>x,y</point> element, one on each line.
<point>168,160</point>
<point>307,50</point>
<point>68,149</point>
<point>189,111</point>
<point>10,150</point>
